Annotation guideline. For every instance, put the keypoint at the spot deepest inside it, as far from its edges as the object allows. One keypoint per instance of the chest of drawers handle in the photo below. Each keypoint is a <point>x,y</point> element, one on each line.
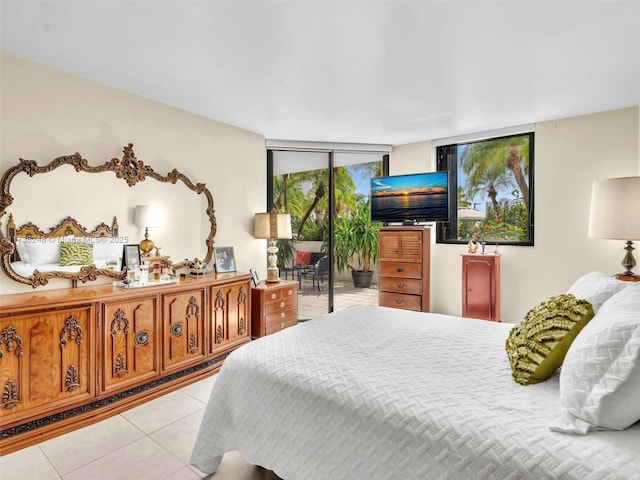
<point>289,292</point>
<point>399,301</point>
<point>399,269</point>
<point>282,304</point>
<point>273,296</point>
<point>400,285</point>
<point>282,314</point>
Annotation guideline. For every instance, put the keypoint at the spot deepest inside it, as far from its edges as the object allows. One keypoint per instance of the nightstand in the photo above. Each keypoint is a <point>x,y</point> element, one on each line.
<point>481,286</point>
<point>274,306</point>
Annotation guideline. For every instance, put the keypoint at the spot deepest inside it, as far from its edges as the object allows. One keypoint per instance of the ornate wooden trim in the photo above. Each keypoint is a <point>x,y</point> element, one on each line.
<point>129,169</point>
<point>9,337</point>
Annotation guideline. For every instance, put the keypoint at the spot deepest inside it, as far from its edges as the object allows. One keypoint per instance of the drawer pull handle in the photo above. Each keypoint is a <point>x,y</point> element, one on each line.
<point>281,325</point>
<point>399,301</point>
<point>399,269</point>
<point>400,285</point>
<point>273,296</point>
<point>290,292</point>
<point>282,314</point>
<point>142,338</point>
<point>282,304</point>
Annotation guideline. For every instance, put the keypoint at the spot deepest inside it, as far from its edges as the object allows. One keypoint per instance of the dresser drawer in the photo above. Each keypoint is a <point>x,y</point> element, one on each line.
<point>400,300</point>
<point>279,304</point>
<point>277,294</point>
<point>277,321</point>
<point>401,285</point>
<point>405,270</point>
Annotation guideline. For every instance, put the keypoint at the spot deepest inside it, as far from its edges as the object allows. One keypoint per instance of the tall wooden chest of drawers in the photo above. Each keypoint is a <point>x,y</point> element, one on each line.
<point>274,306</point>
<point>404,268</point>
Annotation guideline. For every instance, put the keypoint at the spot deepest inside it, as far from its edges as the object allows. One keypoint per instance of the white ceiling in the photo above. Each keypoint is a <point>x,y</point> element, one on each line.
<point>388,72</point>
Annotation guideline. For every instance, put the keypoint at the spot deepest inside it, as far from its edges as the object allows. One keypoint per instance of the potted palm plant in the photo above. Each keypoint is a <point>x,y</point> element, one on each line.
<point>355,239</point>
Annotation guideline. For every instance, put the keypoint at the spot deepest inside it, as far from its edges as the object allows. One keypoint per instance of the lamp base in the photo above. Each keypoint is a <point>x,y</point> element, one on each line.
<point>146,246</point>
<point>273,276</point>
<point>273,272</point>
<point>628,262</point>
<point>627,277</point>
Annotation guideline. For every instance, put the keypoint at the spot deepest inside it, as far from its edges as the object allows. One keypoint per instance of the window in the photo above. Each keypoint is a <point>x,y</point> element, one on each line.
<point>491,190</point>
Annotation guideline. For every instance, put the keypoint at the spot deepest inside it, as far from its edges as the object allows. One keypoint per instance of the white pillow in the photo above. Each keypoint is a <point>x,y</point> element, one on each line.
<point>107,248</point>
<point>22,250</point>
<point>600,376</point>
<point>596,288</point>
<point>41,251</point>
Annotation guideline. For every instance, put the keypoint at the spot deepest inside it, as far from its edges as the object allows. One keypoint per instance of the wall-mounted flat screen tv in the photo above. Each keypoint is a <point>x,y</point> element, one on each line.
<point>415,198</point>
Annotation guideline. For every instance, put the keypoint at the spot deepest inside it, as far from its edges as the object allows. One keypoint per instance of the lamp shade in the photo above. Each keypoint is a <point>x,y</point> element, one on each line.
<point>147,216</point>
<point>272,225</point>
<point>615,209</point>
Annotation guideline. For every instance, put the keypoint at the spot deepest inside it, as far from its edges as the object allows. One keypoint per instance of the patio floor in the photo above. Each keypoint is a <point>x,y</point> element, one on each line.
<point>313,303</point>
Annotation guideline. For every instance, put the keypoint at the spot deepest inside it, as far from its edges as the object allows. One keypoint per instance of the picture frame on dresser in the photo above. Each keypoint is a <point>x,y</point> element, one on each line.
<point>131,256</point>
<point>225,260</point>
<point>255,279</point>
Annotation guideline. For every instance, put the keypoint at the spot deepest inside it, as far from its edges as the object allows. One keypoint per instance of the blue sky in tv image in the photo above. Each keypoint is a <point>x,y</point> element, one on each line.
<point>430,182</point>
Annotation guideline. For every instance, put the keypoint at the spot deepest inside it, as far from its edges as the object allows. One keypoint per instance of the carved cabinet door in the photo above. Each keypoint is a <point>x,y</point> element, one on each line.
<point>45,361</point>
<point>129,343</point>
<point>183,329</point>
<point>230,315</point>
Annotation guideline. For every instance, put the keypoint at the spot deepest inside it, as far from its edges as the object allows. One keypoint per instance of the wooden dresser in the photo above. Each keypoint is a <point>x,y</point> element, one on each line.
<point>274,306</point>
<point>404,266</point>
<point>481,286</point>
<point>71,357</point>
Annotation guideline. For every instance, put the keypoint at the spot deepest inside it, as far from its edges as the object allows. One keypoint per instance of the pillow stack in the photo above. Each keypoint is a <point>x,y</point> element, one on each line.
<point>600,377</point>
<point>593,332</point>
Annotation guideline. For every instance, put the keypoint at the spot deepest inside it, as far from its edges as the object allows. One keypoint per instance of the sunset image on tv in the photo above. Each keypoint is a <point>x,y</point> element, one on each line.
<point>420,197</point>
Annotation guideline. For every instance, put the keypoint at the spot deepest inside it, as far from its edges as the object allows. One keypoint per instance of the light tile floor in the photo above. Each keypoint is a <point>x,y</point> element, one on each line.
<point>150,442</point>
<point>153,441</point>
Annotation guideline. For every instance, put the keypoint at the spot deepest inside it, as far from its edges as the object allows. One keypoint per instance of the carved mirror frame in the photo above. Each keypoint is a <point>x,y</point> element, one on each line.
<point>129,169</point>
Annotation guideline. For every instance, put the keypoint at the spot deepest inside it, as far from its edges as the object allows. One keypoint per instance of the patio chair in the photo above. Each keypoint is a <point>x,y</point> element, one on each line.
<point>320,270</point>
<point>300,265</point>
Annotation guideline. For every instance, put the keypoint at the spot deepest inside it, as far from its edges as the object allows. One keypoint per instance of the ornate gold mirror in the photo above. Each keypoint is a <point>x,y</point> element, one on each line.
<point>130,170</point>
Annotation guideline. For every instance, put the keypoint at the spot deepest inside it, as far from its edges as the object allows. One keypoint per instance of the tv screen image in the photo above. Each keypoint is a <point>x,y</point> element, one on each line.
<point>420,197</point>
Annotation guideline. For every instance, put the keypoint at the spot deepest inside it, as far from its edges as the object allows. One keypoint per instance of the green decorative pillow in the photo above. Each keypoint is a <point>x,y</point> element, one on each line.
<point>76,254</point>
<point>536,347</point>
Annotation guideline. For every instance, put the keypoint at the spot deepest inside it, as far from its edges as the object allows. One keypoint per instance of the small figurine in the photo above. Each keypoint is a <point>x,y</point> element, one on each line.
<point>472,246</point>
<point>157,251</point>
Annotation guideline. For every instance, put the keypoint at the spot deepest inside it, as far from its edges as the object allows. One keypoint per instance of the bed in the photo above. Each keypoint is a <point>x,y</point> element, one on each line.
<point>379,393</point>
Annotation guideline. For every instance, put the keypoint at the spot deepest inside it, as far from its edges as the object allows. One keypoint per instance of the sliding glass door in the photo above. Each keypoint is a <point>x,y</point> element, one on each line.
<point>320,187</point>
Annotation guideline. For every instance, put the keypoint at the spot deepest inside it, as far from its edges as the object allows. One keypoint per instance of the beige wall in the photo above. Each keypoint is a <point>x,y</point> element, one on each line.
<point>569,154</point>
<point>46,113</point>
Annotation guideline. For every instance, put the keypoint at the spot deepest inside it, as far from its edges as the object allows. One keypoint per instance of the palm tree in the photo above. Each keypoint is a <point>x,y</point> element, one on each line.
<point>491,181</point>
<point>488,163</point>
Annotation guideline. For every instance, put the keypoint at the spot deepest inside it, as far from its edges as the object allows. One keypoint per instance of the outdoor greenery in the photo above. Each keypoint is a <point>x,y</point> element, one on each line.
<point>305,195</point>
<point>356,238</point>
<point>497,170</point>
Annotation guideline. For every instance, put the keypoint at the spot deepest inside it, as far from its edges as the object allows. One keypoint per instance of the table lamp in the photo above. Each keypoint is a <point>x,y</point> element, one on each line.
<point>272,226</point>
<point>615,214</point>
<point>147,217</point>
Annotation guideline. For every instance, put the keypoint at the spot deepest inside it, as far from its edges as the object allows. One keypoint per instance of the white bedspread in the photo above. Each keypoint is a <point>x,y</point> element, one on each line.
<point>378,393</point>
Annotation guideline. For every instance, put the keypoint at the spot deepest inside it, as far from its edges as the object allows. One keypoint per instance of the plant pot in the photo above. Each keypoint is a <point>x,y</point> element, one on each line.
<point>362,279</point>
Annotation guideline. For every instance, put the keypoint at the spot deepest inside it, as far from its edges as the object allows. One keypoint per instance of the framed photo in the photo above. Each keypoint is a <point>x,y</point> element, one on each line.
<point>225,260</point>
<point>254,277</point>
<point>131,257</point>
